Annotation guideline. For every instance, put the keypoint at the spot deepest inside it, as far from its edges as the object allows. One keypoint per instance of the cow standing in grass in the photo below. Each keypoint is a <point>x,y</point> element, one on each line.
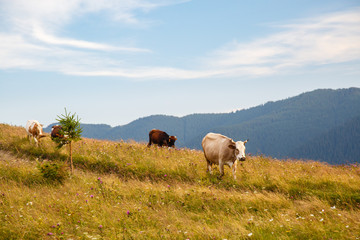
<point>161,138</point>
<point>55,132</point>
<point>34,130</point>
<point>221,150</point>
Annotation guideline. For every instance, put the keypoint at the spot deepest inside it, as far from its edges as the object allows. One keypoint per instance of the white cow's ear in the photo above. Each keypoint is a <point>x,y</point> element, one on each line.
<point>246,141</point>
<point>231,146</point>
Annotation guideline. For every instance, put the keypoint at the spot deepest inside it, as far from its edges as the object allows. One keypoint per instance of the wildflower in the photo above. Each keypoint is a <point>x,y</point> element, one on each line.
<point>29,203</point>
<point>321,220</point>
<point>334,207</point>
<point>100,226</point>
<point>128,212</point>
<point>271,220</point>
<point>165,175</point>
<point>250,234</point>
<point>91,196</point>
<point>99,179</point>
<point>50,234</point>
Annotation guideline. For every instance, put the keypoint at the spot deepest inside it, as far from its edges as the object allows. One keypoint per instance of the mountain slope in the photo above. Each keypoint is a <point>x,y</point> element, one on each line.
<point>286,124</point>
<point>275,128</point>
<point>339,145</point>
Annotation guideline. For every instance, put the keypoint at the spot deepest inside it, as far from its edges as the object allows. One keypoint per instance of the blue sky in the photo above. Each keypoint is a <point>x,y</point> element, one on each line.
<point>114,61</point>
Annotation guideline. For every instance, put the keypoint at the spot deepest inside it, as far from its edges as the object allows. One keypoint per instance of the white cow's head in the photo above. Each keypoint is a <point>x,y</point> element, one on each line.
<point>239,148</point>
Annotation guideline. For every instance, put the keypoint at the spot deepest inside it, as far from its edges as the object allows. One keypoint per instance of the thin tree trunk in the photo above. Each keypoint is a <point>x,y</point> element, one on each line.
<point>71,161</point>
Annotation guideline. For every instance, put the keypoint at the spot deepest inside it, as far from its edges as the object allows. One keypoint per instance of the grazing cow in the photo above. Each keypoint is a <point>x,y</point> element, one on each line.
<point>55,132</point>
<point>161,138</point>
<point>34,129</point>
<point>221,150</point>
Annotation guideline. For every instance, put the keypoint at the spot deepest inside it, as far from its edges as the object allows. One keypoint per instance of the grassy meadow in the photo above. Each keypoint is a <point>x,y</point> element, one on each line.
<point>125,190</point>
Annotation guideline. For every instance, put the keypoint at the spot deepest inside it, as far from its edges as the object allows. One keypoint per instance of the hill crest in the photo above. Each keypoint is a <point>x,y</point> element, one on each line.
<point>274,128</point>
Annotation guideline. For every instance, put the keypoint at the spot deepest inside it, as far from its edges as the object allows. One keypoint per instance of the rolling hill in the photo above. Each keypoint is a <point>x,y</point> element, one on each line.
<point>281,129</point>
<point>125,190</point>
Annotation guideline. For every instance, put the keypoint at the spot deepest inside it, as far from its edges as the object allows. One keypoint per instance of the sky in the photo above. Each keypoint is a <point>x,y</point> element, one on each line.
<point>114,61</point>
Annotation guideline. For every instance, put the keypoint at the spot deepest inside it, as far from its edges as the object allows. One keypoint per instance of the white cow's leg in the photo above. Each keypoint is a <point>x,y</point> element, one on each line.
<point>36,141</point>
<point>221,168</point>
<point>233,166</point>
<point>209,167</point>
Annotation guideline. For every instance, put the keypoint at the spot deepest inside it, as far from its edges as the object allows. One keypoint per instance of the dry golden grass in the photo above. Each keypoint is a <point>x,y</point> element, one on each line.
<point>128,191</point>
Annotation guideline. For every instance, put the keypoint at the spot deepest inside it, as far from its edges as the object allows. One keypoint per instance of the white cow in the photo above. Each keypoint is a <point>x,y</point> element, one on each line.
<point>34,129</point>
<point>221,150</point>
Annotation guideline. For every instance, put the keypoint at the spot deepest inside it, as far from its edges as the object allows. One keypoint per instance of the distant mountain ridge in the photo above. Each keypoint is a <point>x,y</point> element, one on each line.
<point>282,129</point>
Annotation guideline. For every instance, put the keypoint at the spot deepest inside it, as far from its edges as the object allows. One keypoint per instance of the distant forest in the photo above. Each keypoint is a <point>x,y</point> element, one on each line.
<point>320,125</point>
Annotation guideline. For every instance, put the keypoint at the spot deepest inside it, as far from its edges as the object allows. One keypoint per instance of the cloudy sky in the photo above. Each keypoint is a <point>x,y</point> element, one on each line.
<point>114,61</point>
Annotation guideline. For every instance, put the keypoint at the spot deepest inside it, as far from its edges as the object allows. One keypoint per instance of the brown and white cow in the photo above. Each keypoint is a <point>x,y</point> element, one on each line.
<point>161,138</point>
<point>34,129</point>
<point>221,150</point>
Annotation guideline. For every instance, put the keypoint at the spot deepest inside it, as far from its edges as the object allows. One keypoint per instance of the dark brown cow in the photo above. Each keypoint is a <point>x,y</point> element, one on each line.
<point>161,138</point>
<point>55,132</point>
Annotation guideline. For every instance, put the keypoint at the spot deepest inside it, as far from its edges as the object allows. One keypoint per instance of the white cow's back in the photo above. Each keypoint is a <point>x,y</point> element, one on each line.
<point>216,148</point>
<point>30,124</point>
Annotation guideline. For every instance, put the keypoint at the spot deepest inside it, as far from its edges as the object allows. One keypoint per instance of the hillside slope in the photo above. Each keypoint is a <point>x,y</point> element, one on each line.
<point>128,191</point>
<point>276,128</point>
<point>341,142</point>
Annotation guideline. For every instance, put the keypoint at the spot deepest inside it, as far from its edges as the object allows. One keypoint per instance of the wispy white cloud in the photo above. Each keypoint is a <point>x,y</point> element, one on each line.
<point>31,38</point>
<point>41,35</point>
<point>43,20</point>
<point>327,39</point>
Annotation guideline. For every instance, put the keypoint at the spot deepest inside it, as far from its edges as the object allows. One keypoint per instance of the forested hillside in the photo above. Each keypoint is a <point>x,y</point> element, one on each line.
<point>342,142</point>
<point>286,128</point>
